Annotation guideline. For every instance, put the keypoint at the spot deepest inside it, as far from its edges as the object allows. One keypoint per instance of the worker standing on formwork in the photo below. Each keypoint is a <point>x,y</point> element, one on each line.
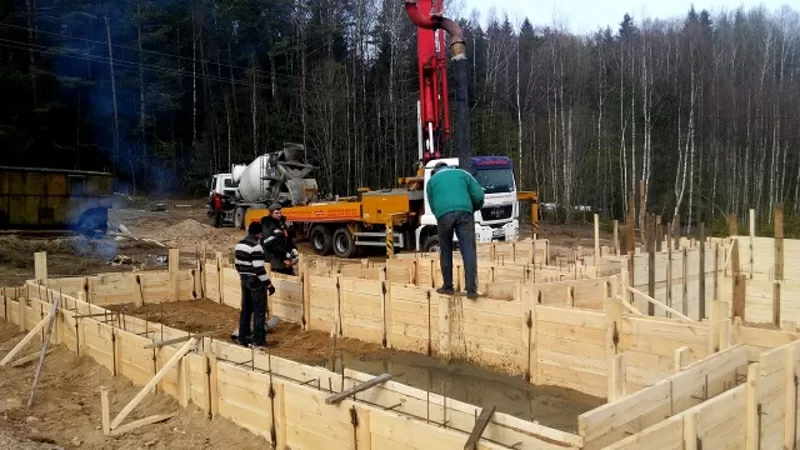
<point>255,283</point>
<point>454,196</point>
<point>278,248</point>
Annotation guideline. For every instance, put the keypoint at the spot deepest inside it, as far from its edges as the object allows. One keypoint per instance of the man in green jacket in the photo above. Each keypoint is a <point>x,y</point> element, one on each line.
<point>454,196</point>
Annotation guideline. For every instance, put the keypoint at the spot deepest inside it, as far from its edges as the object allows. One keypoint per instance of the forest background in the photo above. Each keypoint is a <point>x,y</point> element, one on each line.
<point>701,111</point>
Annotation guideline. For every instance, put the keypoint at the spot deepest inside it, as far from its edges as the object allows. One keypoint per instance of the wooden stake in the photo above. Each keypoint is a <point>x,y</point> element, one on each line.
<point>676,237</point>
<point>596,240</point>
<point>659,234</point>
<point>790,418</point>
<point>40,267</point>
<point>615,243</point>
<point>753,412</point>
<point>105,409</point>
<point>702,241</point>
<point>681,358</point>
<point>752,241</point>
<point>52,317</point>
<point>617,376</point>
<point>174,262</point>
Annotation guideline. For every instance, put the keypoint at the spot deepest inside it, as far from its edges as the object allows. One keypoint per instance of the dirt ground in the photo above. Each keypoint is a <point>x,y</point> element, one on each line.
<point>184,225</point>
<point>66,409</point>
<point>551,406</point>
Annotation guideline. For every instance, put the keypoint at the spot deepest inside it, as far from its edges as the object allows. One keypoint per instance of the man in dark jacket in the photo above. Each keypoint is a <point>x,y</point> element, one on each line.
<point>255,284</point>
<point>278,249</point>
<point>454,196</point>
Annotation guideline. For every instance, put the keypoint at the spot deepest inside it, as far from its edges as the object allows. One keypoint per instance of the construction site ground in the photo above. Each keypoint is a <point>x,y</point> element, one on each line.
<point>184,225</point>
<point>68,410</point>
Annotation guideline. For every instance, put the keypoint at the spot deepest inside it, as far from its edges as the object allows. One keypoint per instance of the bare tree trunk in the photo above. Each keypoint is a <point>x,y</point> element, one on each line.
<point>520,164</point>
<point>113,95</point>
<point>253,105</point>
<point>32,13</point>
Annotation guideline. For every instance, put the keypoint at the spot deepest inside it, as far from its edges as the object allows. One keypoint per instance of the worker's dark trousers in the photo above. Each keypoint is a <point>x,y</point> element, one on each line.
<point>254,303</point>
<point>463,225</point>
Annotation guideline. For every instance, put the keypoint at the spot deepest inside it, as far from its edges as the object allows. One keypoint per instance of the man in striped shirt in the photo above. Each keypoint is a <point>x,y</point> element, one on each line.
<point>255,284</point>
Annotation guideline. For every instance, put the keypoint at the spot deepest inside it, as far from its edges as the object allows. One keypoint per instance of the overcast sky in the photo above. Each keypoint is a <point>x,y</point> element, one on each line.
<point>581,16</point>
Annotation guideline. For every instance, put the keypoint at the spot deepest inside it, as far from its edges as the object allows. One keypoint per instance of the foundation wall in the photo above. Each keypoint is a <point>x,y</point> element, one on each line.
<point>278,399</point>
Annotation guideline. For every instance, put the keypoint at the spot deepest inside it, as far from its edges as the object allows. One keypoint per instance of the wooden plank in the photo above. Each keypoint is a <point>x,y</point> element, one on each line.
<point>752,432</point>
<point>702,290</point>
<point>482,422</point>
<point>337,398</point>
<point>34,331</point>
<point>152,383</point>
<point>178,340</point>
<point>142,422</point>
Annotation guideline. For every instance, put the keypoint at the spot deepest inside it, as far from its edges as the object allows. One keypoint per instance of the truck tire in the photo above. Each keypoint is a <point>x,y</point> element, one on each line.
<point>321,240</point>
<point>238,217</point>
<point>344,243</point>
<point>431,244</point>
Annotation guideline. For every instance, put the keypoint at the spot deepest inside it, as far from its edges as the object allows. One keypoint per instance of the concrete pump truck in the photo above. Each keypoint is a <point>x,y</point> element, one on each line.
<point>402,215</point>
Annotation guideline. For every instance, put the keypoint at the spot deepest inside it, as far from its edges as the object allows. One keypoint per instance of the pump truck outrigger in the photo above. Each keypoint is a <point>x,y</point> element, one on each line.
<point>344,226</point>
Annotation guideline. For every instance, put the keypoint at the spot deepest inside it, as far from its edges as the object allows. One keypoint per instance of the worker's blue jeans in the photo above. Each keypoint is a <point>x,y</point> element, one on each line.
<point>254,304</point>
<point>463,225</point>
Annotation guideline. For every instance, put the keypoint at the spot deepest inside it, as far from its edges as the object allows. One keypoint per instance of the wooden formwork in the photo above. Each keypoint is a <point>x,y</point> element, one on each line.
<point>285,402</point>
<point>670,383</point>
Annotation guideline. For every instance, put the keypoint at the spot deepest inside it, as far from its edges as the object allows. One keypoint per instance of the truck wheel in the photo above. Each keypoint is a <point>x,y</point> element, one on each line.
<point>238,217</point>
<point>321,240</point>
<point>344,244</point>
<point>431,244</point>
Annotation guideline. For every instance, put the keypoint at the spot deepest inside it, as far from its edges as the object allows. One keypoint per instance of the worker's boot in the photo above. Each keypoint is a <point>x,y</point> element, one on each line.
<point>446,291</point>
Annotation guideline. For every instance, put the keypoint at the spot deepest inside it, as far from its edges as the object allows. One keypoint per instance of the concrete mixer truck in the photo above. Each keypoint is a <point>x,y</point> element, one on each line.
<point>279,176</point>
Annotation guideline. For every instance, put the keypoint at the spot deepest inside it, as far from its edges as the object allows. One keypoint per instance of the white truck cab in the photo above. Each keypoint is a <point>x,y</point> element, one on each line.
<point>498,219</point>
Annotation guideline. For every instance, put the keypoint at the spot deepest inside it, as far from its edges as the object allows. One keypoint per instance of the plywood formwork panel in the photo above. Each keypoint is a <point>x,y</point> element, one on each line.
<point>312,423</point>
<point>577,357</point>
<point>244,398</point>
<point>651,343</point>
<point>486,331</point>
<point>324,302</point>
<point>135,362</point>
<point>231,287</point>
<point>759,292</point>
<point>401,271</point>
<point>287,301</point>
<point>763,257</point>
<point>414,316</point>
<point>362,306</point>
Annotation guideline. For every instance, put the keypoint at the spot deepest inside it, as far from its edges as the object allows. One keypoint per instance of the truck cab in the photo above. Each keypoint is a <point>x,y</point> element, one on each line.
<point>499,217</point>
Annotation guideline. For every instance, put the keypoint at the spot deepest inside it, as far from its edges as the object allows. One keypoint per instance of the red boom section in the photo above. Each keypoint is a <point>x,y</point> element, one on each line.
<point>432,78</point>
